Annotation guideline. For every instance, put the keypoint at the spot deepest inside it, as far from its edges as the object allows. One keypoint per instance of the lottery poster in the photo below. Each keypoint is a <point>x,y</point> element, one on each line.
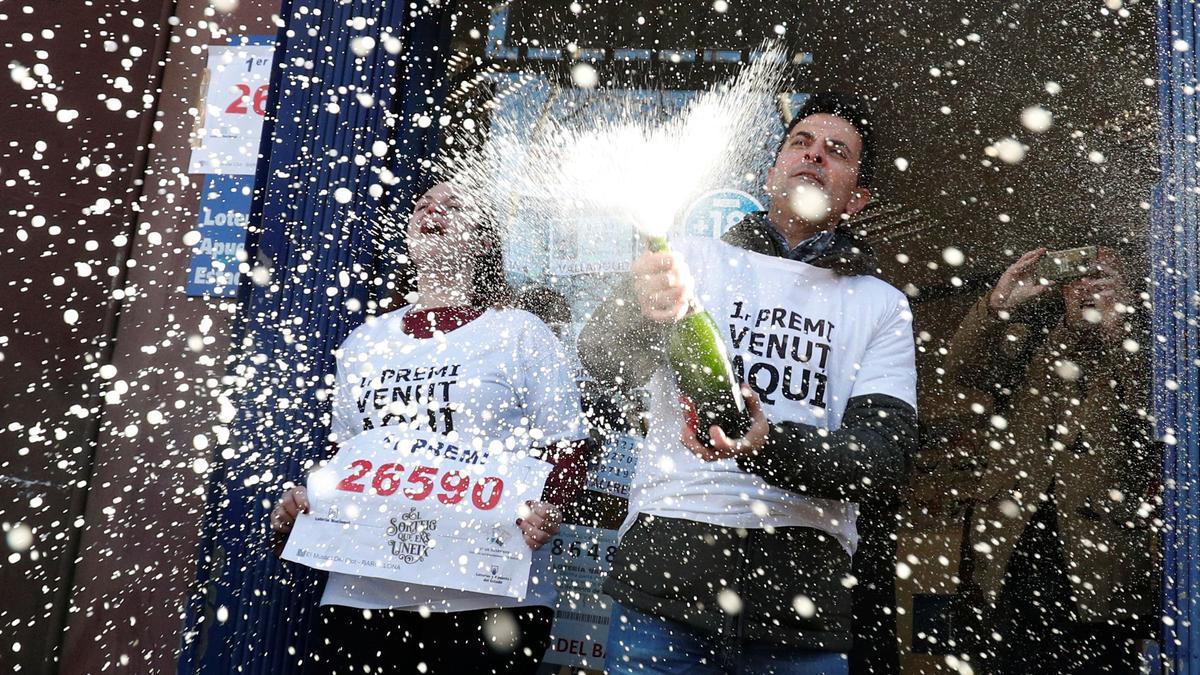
<point>230,125</point>
<point>414,507</point>
<point>580,557</point>
<point>614,468</point>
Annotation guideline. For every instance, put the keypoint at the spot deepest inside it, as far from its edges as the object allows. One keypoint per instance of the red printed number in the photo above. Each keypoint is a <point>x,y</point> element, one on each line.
<point>420,476</point>
<point>350,483</point>
<point>387,479</point>
<point>454,485</point>
<point>485,494</point>
<point>238,105</point>
<point>493,487</point>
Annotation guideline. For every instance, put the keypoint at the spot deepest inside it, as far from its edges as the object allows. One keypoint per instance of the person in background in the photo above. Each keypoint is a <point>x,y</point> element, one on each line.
<point>505,377</point>
<point>546,304</point>
<point>1061,537</point>
<point>605,415</point>
<point>737,555</point>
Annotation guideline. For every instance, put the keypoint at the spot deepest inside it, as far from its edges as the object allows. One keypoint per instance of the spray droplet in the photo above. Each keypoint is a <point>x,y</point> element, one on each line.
<point>362,45</point>
<point>584,76</point>
<point>20,537</point>
<point>954,257</point>
<point>901,164</point>
<point>501,631</point>
<point>1037,119</point>
<point>1009,150</point>
<point>1068,370</point>
<point>804,606</point>
<point>810,203</point>
<point>730,602</point>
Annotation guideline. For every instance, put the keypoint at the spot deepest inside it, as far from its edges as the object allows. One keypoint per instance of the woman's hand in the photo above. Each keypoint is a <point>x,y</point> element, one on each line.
<point>539,523</point>
<point>288,508</point>
<point>283,516</point>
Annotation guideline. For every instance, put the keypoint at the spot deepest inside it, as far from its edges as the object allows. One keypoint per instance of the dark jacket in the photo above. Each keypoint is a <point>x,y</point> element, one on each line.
<point>1081,438</point>
<point>678,568</point>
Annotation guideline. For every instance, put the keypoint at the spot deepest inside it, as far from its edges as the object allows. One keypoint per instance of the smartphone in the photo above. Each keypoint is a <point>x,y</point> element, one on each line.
<point>1068,265</point>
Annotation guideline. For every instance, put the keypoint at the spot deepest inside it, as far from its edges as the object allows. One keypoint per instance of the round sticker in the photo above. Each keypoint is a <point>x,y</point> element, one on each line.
<point>713,213</point>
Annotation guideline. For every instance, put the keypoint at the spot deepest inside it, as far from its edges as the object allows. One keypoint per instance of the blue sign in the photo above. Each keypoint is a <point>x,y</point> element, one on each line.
<point>223,215</point>
<point>715,212</point>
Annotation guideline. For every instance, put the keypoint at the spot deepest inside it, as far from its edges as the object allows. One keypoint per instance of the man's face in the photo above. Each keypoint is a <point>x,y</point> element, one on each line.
<point>1092,301</point>
<point>823,152</point>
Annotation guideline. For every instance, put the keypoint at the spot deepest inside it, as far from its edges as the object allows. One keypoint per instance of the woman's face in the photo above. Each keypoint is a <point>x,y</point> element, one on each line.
<point>441,231</point>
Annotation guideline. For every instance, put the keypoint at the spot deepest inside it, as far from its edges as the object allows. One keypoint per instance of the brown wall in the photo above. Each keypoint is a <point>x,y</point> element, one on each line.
<point>46,223</point>
<point>134,510</point>
<point>136,564</point>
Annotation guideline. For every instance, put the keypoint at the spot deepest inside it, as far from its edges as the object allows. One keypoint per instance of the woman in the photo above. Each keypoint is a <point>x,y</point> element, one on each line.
<point>474,369</point>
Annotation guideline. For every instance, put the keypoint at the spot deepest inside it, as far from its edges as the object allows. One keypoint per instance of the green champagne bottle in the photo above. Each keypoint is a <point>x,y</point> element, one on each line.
<point>698,358</point>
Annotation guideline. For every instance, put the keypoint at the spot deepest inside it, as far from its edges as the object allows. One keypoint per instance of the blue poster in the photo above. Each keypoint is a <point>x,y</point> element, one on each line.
<point>223,215</point>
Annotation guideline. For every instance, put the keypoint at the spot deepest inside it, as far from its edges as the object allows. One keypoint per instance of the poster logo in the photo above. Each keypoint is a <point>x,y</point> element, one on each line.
<point>713,213</point>
<point>409,536</point>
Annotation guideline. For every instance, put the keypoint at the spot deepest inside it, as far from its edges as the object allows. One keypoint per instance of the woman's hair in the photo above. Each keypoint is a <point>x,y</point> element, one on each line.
<point>489,287</point>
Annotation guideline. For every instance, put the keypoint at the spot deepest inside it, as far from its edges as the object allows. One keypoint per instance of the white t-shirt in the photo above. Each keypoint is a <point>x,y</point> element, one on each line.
<point>806,340</point>
<point>503,377</point>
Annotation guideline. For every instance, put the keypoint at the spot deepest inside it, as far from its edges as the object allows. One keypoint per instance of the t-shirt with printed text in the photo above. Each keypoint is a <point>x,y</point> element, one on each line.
<point>806,340</point>
<point>503,378</point>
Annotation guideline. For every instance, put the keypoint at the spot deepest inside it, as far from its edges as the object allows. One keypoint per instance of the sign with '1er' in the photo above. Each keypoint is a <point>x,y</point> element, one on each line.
<point>231,115</point>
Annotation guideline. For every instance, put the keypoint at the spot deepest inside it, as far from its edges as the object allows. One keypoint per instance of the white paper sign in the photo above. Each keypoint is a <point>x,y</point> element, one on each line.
<point>232,116</point>
<point>614,469</point>
<point>411,506</point>
<point>580,557</point>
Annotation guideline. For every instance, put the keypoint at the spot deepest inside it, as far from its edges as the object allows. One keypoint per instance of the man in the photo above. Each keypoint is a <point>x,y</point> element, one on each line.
<point>1062,535</point>
<point>736,556</point>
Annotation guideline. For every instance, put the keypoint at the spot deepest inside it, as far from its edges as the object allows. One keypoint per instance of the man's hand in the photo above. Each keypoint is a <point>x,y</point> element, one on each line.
<point>663,286</point>
<point>724,447</point>
<point>283,516</point>
<point>539,523</point>
<point>1018,284</point>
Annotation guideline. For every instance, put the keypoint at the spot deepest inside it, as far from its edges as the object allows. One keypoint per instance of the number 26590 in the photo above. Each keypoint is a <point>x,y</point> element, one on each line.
<point>450,487</point>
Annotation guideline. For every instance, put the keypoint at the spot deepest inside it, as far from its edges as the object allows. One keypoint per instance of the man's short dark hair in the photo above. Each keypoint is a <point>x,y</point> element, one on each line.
<point>855,110</point>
